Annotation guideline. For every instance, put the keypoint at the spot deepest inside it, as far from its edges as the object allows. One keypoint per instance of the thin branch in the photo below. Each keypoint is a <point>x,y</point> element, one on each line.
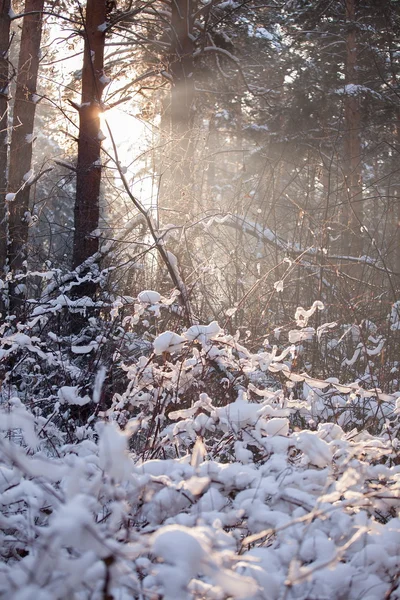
<point>168,258</point>
<point>38,176</point>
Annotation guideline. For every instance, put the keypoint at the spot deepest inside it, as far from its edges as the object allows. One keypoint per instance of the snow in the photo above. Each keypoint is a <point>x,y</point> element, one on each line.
<point>84,349</point>
<point>263,33</point>
<point>70,395</point>
<point>113,452</point>
<point>378,348</point>
<point>203,333</point>
<point>104,79</point>
<point>238,414</point>
<point>302,316</point>
<point>32,591</point>
<point>203,477</point>
<point>98,384</point>
<point>353,89</point>
<point>181,546</point>
<point>208,442</point>
<point>258,128</point>
<point>222,114</point>
<point>277,426</point>
<point>307,333</point>
<point>28,176</point>
<point>168,341</point>
<point>149,297</point>
<point>315,449</point>
<point>228,4</point>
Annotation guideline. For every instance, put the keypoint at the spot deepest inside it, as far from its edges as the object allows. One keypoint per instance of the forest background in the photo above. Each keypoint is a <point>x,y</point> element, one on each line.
<point>200,299</point>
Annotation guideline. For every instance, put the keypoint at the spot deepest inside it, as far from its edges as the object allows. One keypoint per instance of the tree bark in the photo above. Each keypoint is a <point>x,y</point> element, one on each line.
<point>353,206</point>
<point>88,174</point>
<point>178,187</point>
<point>4,93</point>
<point>181,66</point>
<point>395,208</point>
<point>22,133</point>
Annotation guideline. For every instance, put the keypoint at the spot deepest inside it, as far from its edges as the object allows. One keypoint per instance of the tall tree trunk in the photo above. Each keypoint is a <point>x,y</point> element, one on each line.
<point>178,187</point>
<point>182,68</point>
<point>397,243</point>
<point>353,206</point>
<point>88,177</point>
<point>4,93</point>
<point>395,208</point>
<point>22,132</point>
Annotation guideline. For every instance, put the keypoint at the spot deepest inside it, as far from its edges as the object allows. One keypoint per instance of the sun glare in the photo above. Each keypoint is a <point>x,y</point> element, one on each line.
<point>133,139</point>
<point>124,126</point>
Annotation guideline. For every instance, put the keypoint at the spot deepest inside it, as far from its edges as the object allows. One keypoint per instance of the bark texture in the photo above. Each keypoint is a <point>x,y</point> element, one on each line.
<point>178,180</point>
<point>4,94</point>
<point>353,205</point>
<point>88,177</point>
<point>22,133</point>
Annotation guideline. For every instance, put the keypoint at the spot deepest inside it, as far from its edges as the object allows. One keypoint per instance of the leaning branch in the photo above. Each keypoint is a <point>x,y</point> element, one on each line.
<point>167,257</point>
<point>38,176</point>
<point>270,237</point>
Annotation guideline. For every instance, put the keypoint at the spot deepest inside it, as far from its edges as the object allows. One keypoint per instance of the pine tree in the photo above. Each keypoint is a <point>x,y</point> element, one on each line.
<point>20,167</point>
<point>4,100</point>
<point>89,169</point>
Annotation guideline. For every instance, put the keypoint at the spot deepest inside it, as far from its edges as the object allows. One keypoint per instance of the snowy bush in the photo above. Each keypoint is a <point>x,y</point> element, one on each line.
<point>215,472</point>
<point>255,510</point>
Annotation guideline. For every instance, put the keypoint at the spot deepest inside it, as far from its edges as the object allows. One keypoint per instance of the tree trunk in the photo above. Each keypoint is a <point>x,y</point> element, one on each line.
<point>182,68</point>
<point>397,243</point>
<point>353,206</point>
<point>178,187</point>
<point>4,92</point>
<point>88,177</point>
<point>22,139</point>
<point>395,208</point>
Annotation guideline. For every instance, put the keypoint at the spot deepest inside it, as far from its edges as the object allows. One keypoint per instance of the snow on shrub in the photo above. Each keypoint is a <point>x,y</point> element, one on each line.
<point>214,473</point>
